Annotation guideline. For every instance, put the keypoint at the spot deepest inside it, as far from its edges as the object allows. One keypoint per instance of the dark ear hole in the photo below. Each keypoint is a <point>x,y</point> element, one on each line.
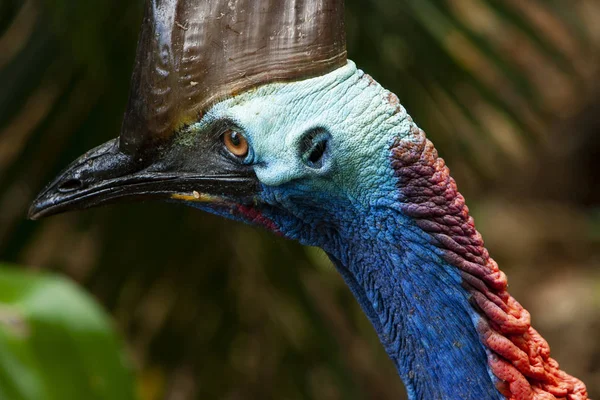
<point>317,152</point>
<point>314,146</point>
<point>70,185</point>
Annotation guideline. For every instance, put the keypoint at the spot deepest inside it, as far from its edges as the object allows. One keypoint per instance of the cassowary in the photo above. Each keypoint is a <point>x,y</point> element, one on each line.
<point>250,110</point>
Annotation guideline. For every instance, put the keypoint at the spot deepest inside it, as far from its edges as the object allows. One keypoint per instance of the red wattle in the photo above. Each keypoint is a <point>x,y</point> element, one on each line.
<point>519,356</point>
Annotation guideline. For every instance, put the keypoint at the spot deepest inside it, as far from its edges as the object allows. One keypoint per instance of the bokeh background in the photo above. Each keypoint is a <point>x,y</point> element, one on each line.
<point>210,309</point>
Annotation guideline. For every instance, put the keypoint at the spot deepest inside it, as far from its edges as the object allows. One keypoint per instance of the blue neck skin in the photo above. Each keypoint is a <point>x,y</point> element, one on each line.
<point>413,298</point>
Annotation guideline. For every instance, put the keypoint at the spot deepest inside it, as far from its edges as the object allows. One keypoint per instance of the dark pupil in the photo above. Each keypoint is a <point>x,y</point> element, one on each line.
<point>235,139</point>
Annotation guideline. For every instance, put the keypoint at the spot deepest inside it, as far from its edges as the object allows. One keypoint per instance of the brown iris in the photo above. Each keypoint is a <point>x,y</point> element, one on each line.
<point>236,143</point>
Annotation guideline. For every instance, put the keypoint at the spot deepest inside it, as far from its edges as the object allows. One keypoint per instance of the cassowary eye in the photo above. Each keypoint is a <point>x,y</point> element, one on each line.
<point>236,143</point>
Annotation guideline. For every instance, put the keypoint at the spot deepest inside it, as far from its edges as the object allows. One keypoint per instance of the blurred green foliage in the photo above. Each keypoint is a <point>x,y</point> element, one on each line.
<point>507,89</point>
<point>56,343</point>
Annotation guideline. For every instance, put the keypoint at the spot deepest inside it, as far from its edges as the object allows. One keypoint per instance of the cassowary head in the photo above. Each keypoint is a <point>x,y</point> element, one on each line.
<point>265,122</point>
<point>283,155</point>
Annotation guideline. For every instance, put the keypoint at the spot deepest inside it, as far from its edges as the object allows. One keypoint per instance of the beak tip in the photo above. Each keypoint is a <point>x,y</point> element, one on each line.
<point>42,206</point>
<point>35,211</point>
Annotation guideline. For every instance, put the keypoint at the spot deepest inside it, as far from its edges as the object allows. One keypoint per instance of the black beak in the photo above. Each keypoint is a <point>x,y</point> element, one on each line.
<point>106,175</point>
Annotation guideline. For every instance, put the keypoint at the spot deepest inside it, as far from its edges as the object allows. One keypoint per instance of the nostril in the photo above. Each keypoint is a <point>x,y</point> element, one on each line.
<point>70,185</point>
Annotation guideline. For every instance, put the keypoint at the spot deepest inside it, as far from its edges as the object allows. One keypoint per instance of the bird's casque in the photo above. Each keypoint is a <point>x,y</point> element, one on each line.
<point>192,54</point>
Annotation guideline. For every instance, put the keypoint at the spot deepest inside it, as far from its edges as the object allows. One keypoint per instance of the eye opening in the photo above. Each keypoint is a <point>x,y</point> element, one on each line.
<point>314,146</point>
<point>236,143</point>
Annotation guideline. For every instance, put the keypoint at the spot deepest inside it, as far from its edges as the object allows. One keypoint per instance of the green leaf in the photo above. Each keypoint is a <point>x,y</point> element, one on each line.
<point>56,343</point>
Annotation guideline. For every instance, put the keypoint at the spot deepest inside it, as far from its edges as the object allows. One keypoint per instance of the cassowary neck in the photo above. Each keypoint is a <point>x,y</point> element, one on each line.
<point>437,300</point>
<point>417,305</point>
<point>422,316</point>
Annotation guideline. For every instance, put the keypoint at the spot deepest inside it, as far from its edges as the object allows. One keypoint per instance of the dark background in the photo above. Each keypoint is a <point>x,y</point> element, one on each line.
<point>507,89</point>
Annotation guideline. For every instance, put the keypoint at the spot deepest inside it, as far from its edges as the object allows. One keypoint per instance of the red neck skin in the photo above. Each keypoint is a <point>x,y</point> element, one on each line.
<point>517,354</point>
